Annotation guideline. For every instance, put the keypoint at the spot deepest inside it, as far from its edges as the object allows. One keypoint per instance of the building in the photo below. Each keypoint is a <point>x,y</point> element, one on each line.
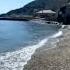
<point>47,14</point>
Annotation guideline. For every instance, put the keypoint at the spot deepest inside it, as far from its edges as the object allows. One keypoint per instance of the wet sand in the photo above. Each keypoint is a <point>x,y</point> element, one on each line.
<point>56,58</point>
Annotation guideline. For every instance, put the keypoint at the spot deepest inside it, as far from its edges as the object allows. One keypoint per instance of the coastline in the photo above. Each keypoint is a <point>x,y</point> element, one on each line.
<point>57,58</point>
<point>14,19</point>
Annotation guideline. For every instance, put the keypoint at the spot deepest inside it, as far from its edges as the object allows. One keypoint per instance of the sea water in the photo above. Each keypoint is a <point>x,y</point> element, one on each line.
<point>19,40</point>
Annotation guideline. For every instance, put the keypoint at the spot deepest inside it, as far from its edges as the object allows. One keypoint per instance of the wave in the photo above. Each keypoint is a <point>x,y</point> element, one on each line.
<point>17,59</point>
<point>60,33</point>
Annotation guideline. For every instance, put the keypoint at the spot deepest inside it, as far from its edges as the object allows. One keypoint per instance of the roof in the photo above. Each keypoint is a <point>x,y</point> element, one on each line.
<point>46,11</point>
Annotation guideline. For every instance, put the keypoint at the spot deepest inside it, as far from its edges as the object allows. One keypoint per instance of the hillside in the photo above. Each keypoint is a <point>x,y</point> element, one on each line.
<point>36,5</point>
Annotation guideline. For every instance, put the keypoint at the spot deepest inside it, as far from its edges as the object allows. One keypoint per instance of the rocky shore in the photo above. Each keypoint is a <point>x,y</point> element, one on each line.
<point>57,58</point>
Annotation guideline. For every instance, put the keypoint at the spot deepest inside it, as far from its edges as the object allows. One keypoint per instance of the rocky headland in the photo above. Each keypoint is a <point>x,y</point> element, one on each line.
<point>27,11</point>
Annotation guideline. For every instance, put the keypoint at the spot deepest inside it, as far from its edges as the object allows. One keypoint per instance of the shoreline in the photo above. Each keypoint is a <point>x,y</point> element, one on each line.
<point>14,19</point>
<point>57,58</point>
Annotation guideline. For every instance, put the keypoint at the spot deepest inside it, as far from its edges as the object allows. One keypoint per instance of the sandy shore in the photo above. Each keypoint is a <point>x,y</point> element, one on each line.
<point>57,58</point>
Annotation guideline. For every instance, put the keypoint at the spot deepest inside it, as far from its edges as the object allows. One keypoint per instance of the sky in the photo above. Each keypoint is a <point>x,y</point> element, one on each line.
<point>7,5</point>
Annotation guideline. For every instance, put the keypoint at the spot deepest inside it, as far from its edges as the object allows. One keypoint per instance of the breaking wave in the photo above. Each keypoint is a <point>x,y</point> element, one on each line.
<point>17,59</point>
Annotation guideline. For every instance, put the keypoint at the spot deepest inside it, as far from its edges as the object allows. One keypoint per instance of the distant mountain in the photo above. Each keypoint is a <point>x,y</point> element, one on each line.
<point>36,5</point>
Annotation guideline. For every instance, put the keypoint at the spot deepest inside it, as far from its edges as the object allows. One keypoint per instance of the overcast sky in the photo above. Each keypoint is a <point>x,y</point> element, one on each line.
<point>7,5</point>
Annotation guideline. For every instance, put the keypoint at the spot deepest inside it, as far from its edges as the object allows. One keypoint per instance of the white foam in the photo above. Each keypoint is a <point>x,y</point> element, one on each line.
<point>16,60</point>
<point>60,33</point>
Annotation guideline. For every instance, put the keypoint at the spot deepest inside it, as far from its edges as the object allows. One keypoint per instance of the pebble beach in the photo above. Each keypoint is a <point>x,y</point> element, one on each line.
<point>56,58</point>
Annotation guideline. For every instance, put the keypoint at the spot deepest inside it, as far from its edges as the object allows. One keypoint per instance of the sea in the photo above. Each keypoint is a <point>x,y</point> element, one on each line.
<point>20,39</point>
